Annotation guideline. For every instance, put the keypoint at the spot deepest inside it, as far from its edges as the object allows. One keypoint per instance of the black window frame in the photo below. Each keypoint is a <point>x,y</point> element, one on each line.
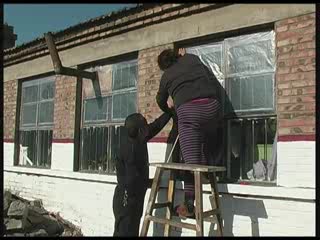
<point>48,127</point>
<point>110,123</point>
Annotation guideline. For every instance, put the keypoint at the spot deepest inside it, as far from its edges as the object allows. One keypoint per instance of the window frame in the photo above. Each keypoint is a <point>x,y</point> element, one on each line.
<point>219,38</point>
<point>110,122</point>
<point>20,127</point>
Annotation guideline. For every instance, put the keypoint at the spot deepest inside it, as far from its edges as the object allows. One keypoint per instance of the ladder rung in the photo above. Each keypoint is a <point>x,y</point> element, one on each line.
<point>210,219</point>
<point>171,223</point>
<point>210,213</point>
<point>161,205</point>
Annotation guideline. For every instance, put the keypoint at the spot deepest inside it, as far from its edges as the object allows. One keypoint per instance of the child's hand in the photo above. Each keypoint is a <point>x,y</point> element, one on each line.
<point>182,51</point>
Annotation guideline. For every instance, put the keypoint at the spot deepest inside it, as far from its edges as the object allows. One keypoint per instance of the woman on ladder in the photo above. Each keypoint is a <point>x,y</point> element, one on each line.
<point>196,99</point>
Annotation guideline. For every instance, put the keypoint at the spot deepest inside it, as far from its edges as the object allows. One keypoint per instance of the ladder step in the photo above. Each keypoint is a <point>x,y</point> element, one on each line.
<point>171,223</point>
<point>161,205</point>
<point>210,213</point>
<point>210,219</point>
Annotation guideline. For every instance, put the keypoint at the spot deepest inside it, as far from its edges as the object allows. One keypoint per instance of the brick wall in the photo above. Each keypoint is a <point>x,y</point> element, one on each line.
<point>296,53</point>
<point>9,109</point>
<point>64,107</point>
<point>148,84</point>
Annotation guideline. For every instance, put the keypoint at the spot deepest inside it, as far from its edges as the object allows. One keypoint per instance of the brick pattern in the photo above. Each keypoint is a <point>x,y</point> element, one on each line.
<point>10,89</point>
<point>83,34</point>
<point>149,75</point>
<point>64,107</point>
<point>296,54</point>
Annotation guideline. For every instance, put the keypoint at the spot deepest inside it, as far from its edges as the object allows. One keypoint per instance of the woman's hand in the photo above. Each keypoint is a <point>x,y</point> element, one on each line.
<point>170,103</point>
<point>182,51</point>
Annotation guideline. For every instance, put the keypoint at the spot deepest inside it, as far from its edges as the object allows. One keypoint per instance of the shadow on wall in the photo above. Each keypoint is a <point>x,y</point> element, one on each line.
<point>231,206</point>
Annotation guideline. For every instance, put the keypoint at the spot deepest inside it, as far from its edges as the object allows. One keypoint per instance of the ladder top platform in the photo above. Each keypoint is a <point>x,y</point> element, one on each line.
<point>189,167</point>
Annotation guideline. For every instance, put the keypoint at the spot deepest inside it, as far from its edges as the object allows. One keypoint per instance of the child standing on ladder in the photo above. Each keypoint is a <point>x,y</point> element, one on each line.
<point>196,99</point>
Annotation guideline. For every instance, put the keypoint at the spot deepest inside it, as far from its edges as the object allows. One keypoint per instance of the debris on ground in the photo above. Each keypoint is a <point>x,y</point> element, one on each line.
<point>29,219</point>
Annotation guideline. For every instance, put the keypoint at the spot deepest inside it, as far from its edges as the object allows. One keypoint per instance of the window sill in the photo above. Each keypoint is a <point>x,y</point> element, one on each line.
<point>306,194</point>
<point>93,177</point>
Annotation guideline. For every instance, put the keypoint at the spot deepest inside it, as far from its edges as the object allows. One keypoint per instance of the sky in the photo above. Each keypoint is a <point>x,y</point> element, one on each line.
<point>31,21</point>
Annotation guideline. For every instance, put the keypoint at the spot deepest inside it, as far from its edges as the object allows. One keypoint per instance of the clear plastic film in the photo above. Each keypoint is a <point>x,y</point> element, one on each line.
<point>250,54</point>
<point>105,81</point>
<point>212,56</point>
<point>243,55</point>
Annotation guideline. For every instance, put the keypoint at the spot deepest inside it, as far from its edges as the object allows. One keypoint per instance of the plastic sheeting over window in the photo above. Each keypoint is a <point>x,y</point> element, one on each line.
<point>94,112</point>
<point>125,75</point>
<point>212,56</point>
<point>245,66</point>
<point>118,85</point>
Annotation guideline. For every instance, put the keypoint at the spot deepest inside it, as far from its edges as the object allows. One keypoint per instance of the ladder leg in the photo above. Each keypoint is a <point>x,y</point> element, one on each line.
<point>215,202</point>
<point>199,204</point>
<point>151,201</point>
<point>171,190</point>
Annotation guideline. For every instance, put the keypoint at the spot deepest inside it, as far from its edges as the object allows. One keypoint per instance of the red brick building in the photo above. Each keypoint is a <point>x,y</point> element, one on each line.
<point>59,143</point>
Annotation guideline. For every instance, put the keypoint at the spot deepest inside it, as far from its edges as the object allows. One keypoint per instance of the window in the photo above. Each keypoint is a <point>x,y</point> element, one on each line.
<point>103,117</point>
<point>245,67</point>
<point>36,122</point>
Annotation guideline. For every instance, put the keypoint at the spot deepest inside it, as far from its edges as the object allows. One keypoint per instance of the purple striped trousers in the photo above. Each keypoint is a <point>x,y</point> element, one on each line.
<point>191,117</point>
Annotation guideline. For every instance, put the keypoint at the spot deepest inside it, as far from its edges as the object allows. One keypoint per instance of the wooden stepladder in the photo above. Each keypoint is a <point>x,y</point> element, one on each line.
<point>213,215</point>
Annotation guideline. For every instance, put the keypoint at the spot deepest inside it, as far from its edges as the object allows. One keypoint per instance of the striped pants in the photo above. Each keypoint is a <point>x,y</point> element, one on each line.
<point>191,117</point>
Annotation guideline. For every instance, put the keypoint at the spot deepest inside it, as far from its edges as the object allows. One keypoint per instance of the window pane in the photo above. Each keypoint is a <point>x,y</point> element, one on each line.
<point>125,75</point>
<point>44,148</point>
<point>123,105</point>
<point>211,56</point>
<point>116,106</point>
<point>246,93</point>
<point>252,93</point>
<point>133,75</point>
<point>29,94</point>
<point>116,77</point>
<point>235,148</point>
<point>271,149</point>
<point>28,148</point>
<point>251,54</point>
<point>252,149</point>
<point>249,150</point>
<point>235,93</point>
<point>46,112</point>
<point>29,114</point>
<point>47,90</point>
<point>96,109</point>
<point>132,99</point>
<point>94,143</point>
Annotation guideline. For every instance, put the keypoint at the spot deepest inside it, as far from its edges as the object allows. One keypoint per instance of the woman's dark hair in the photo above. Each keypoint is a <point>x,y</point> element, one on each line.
<point>166,58</point>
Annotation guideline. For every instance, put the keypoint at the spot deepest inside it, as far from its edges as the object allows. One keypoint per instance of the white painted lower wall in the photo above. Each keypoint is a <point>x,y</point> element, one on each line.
<point>296,164</point>
<point>62,156</point>
<point>86,199</point>
<point>8,153</point>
